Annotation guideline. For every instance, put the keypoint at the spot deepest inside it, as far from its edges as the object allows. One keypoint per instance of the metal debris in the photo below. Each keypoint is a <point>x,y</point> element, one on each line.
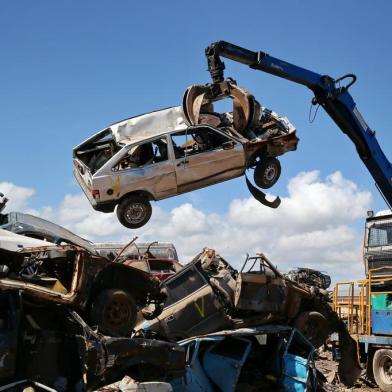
<point>107,294</point>
<point>310,277</point>
<point>208,295</point>
<point>42,287</point>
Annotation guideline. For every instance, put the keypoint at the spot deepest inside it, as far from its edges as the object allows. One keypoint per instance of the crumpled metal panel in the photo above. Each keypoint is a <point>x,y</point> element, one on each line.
<point>259,293</point>
<point>149,125</point>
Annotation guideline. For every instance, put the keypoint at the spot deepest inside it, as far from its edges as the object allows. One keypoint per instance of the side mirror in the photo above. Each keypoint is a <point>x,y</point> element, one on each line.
<point>228,145</point>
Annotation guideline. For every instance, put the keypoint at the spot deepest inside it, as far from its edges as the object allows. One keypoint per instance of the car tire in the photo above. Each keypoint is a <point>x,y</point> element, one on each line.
<point>114,312</point>
<point>267,172</point>
<point>314,326</point>
<point>382,369</point>
<point>134,211</point>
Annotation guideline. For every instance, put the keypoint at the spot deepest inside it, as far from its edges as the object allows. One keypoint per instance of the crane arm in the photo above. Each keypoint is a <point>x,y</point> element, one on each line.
<point>328,92</point>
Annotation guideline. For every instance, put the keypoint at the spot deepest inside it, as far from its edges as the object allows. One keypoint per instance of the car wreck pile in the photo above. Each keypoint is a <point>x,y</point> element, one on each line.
<point>75,319</point>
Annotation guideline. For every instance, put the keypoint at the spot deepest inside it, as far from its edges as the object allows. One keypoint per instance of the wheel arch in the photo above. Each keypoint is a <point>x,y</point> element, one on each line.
<point>125,278</point>
<point>140,192</point>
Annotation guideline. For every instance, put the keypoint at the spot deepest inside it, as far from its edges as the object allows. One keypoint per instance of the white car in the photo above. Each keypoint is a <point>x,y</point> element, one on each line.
<point>171,151</point>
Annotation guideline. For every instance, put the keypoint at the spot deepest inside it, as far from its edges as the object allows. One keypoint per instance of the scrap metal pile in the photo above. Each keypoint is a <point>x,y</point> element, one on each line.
<point>110,319</point>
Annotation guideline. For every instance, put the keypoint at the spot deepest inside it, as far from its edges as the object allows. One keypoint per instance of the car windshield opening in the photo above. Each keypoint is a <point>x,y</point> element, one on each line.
<point>380,234</point>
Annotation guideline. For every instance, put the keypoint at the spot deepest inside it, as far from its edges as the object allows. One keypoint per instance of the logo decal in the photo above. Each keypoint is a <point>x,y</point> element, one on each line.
<point>200,309</point>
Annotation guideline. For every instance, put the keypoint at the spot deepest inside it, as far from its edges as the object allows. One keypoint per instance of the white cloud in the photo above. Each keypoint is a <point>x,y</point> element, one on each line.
<point>313,227</point>
<point>20,195</point>
<point>312,203</point>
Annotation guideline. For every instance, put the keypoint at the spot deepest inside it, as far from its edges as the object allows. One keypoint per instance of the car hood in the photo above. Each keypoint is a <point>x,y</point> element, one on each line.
<point>15,242</point>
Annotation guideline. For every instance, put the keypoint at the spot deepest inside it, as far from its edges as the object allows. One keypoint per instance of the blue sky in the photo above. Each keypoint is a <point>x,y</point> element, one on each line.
<point>70,68</point>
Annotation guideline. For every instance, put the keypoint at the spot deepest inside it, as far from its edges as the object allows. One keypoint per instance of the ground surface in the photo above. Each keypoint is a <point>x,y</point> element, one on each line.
<point>328,368</point>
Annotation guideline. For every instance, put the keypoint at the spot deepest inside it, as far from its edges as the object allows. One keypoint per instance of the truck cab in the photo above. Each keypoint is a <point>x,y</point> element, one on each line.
<point>377,249</point>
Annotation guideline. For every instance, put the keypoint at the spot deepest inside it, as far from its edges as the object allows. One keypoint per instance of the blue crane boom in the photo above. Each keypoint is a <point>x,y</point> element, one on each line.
<point>328,92</point>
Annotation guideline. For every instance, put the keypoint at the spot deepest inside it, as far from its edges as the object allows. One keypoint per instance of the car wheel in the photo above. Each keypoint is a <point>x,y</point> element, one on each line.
<point>382,369</point>
<point>314,326</point>
<point>267,172</point>
<point>114,312</point>
<point>134,211</point>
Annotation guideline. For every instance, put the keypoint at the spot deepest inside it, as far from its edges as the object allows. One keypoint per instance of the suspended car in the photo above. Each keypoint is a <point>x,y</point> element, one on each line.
<point>180,149</point>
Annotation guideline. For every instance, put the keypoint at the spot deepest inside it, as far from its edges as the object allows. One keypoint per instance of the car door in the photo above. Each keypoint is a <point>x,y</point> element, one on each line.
<point>297,364</point>
<point>207,157</point>
<point>192,307</point>
<point>144,167</point>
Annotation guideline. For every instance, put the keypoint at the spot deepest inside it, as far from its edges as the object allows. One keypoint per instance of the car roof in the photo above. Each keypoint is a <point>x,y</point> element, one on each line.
<point>148,125</point>
<point>35,223</point>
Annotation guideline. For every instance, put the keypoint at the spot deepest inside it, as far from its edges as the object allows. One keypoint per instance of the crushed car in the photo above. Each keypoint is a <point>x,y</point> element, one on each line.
<point>160,267</point>
<point>265,358</point>
<point>50,347</point>
<point>176,150</point>
<point>108,295</point>
<point>137,250</point>
<point>41,229</point>
<point>208,295</point>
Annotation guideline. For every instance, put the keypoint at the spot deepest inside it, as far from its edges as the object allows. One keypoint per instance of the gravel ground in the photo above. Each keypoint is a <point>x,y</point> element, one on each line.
<point>328,368</point>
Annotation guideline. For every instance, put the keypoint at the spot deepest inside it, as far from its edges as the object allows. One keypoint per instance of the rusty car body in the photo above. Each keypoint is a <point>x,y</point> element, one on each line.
<point>208,295</point>
<point>41,229</point>
<point>50,345</point>
<point>171,151</point>
<point>35,227</point>
<point>137,250</point>
<point>107,294</point>
<point>158,259</point>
